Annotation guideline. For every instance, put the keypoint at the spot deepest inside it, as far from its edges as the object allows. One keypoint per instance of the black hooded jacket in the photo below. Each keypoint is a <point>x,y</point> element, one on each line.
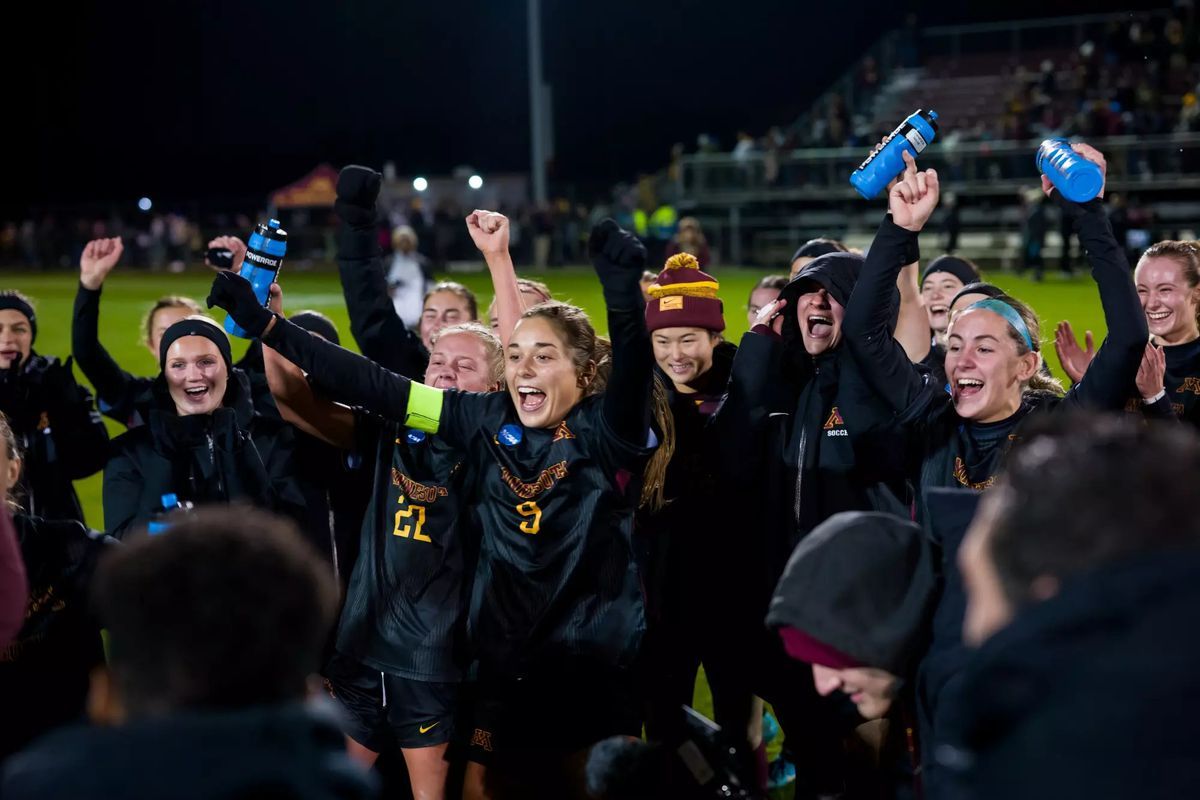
<point>232,454</point>
<point>1093,693</point>
<point>286,752</point>
<point>129,398</point>
<point>44,671</point>
<point>793,432</point>
<point>61,437</point>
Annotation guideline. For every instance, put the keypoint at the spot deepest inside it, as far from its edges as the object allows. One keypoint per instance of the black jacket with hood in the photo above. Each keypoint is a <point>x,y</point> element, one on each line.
<point>276,752</point>
<point>792,432</point>
<point>61,437</point>
<point>230,455</point>
<point>1093,693</point>
<point>129,398</point>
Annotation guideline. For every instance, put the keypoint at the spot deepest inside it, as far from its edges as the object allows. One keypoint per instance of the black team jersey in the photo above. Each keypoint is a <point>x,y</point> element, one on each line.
<point>556,577</point>
<point>406,602</point>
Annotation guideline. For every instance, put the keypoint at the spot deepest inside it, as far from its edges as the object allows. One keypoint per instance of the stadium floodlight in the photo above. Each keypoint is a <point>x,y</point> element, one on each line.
<point>144,204</point>
<point>420,184</point>
<point>475,182</point>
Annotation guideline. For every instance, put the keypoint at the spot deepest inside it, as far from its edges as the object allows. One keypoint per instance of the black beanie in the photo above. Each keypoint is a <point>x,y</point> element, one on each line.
<point>196,326</point>
<point>960,268</point>
<point>862,583</point>
<point>318,323</point>
<point>817,247</point>
<point>10,300</point>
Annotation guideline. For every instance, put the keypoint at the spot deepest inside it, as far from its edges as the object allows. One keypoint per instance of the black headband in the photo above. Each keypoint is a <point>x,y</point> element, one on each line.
<point>195,326</point>
<point>986,289</point>
<point>318,323</point>
<point>13,302</point>
<point>960,268</point>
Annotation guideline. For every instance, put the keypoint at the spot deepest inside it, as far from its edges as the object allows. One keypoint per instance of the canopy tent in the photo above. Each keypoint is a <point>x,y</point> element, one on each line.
<point>317,189</point>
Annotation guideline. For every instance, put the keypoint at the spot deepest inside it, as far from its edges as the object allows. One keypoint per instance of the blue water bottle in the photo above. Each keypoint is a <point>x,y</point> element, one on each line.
<point>1078,179</point>
<point>913,135</point>
<point>168,505</point>
<point>264,257</point>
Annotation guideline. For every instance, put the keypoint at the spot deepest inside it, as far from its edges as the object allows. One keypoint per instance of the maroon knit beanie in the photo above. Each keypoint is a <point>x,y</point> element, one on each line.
<point>684,297</point>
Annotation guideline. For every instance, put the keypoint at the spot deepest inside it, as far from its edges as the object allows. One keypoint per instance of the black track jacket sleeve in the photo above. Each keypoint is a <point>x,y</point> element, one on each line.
<point>380,333</point>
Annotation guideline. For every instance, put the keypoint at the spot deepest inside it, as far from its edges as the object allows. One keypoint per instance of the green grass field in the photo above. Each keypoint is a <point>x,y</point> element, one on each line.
<point>128,294</point>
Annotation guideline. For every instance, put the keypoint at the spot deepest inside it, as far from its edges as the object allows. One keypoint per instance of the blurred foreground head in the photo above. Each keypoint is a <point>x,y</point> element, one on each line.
<point>1079,494</point>
<point>228,609</point>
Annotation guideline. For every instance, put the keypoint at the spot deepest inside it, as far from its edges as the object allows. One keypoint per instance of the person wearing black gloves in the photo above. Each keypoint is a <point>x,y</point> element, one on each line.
<point>380,333</point>
<point>203,441</point>
<point>44,670</point>
<point>556,614</point>
<point>55,422</point>
<point>993,360</point>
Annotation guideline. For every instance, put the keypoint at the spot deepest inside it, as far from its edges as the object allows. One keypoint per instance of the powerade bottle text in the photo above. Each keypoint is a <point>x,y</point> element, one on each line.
<point>264,258</point>
<point>1078,179</point>
<point>913,135</point>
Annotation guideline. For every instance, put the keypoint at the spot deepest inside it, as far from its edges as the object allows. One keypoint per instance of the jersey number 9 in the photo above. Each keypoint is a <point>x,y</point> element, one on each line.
<point>530,509</point>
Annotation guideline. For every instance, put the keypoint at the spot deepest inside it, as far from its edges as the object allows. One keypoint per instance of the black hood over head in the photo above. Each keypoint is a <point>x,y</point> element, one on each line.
<point>836,273</point>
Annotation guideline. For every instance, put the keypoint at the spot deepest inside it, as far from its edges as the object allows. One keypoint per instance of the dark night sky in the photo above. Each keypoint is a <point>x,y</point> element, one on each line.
<point>206,100</point>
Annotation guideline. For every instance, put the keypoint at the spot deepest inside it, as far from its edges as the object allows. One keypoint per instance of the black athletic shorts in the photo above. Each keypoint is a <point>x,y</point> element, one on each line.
<point>384,711</point>
<point>522,721</point>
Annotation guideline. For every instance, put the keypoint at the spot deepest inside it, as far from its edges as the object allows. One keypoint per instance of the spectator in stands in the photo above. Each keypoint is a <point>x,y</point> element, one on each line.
<point>216,629</point>
<point>1082,569</point>
<point>1033,233</point>
<point>55,423</point>
<point>689,238</point>
<point>409,276</point>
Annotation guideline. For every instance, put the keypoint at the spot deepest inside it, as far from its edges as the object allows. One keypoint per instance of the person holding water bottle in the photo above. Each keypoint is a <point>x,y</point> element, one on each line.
<point>203,441</point>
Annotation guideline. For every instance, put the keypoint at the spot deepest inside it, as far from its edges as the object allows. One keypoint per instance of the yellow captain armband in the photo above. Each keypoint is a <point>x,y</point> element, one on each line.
<point>424,407</point>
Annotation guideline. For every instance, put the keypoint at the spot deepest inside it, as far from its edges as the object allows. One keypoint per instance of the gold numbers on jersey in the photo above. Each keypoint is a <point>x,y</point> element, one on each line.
<point>530,509</point>
<point>409,521</point>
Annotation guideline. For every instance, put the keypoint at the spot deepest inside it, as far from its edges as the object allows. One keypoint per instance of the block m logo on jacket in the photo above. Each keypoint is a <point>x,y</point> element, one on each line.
<point>835,425</point>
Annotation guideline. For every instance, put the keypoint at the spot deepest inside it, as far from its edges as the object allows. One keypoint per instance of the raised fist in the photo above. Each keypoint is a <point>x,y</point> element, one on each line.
<point>489,231</point>
<point>98,259</point>
<point>357,191</point>
<point>234,245</point>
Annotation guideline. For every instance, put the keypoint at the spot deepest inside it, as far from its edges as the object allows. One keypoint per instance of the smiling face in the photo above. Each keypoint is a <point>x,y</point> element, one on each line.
<point>459,361</point>
<point>937,291</point>
<point>820,319</point>
<point>164,318</point>
<point>870,689</point>
<point>1170,304</point>
<point>16,338</point>
<point>541,375</point>
<point>684,354</point>
<point>442,308</point>
<point>758,299</point>
<point>196,375</point>
<point>986,372</point>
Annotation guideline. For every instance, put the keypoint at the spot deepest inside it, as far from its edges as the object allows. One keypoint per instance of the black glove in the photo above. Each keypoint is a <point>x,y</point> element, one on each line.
<point>619,259</point>
<point>234,293</point>
<point>357,191</point>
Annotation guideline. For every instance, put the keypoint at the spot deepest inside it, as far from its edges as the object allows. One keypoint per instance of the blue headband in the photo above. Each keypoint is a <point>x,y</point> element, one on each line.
<point>1009,314</point>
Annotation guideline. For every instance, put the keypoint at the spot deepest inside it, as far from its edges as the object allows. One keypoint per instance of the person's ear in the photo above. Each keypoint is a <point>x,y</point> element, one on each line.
<point>587,375</point>
<point>1031,362</point>
<point>104,706</point>
<point>14,474</point>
